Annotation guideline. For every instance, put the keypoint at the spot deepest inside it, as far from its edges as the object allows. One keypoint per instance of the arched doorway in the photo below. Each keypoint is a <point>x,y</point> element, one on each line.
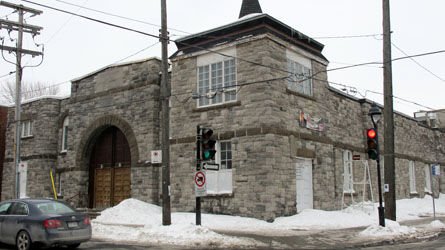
<point>109,169</point>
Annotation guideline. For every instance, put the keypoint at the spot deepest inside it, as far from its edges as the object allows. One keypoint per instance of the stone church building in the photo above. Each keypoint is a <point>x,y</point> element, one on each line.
<point>286,140</point>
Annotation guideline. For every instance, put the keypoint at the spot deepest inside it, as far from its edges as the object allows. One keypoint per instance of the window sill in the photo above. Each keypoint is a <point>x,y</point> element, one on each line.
<point>63,152</point>
<point>292,92</point>
<point>27,137</point>
<point>218,106</point>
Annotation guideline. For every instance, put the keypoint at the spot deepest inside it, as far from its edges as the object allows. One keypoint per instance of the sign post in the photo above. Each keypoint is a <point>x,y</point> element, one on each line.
<point>198,169</point>
<point>200,184</point>
<point>434,171</point>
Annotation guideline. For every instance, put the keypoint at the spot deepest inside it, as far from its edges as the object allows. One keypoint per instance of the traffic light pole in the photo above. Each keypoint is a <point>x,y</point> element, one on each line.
<point>198,168</point>
<point>379,179</point>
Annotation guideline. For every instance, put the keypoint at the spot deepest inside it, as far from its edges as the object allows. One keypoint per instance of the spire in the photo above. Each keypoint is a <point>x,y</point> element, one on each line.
<point>250,7</point>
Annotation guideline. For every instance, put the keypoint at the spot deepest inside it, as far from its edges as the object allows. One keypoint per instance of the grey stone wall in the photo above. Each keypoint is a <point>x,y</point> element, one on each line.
<point>263,126</point>
<point>125,96</point>
<point>39,150</point>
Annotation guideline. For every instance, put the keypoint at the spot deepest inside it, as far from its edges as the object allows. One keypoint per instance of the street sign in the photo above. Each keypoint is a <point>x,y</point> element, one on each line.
<point>200,184</point>
<point>156,156</point>
<point>210,166</point>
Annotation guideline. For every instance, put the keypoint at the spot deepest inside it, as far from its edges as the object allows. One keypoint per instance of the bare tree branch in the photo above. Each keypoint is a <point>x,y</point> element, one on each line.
<point>29,90</point>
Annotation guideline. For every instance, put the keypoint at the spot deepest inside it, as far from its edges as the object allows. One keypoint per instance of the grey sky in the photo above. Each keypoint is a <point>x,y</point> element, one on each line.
<point>75,46</point>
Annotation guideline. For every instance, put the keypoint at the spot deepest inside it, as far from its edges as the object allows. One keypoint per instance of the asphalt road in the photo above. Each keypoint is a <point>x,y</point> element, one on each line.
<point>439,244</point>
<point>94,245</point>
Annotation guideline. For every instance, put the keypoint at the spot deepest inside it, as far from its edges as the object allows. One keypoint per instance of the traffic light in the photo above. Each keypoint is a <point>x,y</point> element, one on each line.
<point>208,150</point>
<point>373,152</point>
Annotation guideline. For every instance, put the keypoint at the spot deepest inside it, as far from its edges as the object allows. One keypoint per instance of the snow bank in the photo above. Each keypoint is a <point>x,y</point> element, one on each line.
<point>136,221</point>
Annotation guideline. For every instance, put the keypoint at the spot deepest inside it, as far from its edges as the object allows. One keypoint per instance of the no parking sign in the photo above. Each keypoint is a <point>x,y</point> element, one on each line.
<point>200,184</point>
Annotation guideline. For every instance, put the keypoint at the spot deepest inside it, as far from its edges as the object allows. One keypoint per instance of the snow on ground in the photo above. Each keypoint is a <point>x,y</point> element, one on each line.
<point>136,221</point>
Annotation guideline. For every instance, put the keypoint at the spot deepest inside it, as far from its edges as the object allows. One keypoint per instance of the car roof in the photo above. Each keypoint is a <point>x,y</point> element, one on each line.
<point>31,200</point>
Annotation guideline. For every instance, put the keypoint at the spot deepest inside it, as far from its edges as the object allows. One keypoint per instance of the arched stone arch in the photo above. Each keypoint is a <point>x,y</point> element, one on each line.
<point>90,135</point>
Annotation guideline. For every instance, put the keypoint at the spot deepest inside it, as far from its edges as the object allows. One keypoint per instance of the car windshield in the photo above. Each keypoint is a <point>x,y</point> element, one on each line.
<point>54,208</point>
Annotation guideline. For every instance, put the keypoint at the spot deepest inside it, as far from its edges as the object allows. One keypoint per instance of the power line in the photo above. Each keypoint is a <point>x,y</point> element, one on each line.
<point>5,75</point>
<point>219,53</point>
<point>350,36</point>
<point>64,82</point>
<point>374,92</point>
<point>119,16</point>
<point>230,56</point>
<point>64,24</point>
<point>95,20</point>
<point>393,60</point>
<point>416,62</point>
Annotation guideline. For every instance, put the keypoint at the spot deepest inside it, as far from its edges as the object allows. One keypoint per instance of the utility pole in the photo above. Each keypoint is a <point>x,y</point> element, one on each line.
<point>165,120</point>
<point>20,27</point>
<point>388,117</point>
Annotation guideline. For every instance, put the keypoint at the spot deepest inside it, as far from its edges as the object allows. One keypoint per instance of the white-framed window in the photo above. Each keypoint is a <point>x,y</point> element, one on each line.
<point>300,78</point>
<point>427,179</point>
<point>348,178</point>
<point>27,127</point>
<point>65,126</point>
<point>220,181</point>
<point>217,78</point>
<point>412,177</point>
<point>224,157</point>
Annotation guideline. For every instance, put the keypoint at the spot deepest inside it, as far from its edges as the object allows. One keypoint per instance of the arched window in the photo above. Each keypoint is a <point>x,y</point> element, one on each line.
<point>66,122</point>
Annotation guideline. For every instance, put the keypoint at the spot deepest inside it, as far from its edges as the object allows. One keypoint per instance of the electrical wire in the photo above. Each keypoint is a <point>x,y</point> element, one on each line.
<point>5,75</point>
<point>229,56</point>
<point>219,53</point>
<point>418,64</point>
<point>351,36</point>
<point>94,19</point>
<point>64,82</point>
<point>119,16</point>
<point>65,23</point>
<point>139,51</point>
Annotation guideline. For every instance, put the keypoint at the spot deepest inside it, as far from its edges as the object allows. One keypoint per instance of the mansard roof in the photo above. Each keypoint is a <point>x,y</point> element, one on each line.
<point>251,25</point>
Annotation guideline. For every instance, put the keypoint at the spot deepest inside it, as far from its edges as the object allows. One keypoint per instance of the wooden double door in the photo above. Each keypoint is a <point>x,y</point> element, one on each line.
<point>110,171</point>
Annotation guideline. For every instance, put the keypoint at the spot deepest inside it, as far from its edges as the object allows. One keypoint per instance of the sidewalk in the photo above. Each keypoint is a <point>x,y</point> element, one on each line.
<point>340,238</point>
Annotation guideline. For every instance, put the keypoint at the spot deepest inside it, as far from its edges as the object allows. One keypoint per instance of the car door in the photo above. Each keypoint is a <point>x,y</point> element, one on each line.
<point>14,221</point>
<point>4,207</point>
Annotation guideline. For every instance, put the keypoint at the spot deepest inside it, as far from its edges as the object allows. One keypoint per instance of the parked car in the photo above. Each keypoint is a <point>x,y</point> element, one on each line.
<point>29,222</point>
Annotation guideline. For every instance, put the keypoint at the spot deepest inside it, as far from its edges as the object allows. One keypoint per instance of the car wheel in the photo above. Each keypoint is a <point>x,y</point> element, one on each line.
<point>23,241</point>
<point>72,246</point>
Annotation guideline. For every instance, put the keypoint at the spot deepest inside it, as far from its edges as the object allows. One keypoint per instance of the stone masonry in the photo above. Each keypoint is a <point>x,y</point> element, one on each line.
<point>125,96</point>
<point>264,126</point>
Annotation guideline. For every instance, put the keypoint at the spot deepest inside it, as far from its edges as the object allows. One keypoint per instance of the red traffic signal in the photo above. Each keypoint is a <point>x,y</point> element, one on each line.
<point>372,142</point>
<point>371,133</point>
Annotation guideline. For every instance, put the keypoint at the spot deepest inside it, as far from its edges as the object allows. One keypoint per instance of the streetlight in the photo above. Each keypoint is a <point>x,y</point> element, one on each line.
<point>376,114</point>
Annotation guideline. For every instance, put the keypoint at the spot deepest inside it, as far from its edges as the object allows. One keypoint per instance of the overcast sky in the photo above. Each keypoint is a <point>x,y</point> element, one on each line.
<point>75,46</point>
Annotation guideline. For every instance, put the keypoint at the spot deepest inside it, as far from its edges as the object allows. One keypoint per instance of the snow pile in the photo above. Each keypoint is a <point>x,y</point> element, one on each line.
<point>136,221</point>
<point>409,209</point>
<point>437,224</point>
<point>391,228</point>
<point>131,212</point>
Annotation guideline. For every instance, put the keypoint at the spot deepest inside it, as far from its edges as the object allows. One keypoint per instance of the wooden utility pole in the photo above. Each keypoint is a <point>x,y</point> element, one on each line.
<point>20,27</point>
<point>388,117</point>
<point>165,120</point>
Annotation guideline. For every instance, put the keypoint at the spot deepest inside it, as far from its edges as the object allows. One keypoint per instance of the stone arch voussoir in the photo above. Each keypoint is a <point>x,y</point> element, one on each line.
<point>95,128</point>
